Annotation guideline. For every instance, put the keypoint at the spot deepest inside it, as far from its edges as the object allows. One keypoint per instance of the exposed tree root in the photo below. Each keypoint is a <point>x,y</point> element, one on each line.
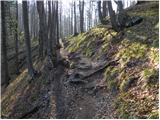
<point>114,62</point>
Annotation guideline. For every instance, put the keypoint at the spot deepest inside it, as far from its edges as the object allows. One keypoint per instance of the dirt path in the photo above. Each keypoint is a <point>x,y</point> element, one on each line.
<point>75,100</point>
<point>63,93</point>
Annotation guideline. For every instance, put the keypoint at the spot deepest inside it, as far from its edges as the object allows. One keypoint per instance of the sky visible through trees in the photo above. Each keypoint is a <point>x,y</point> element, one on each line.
<point>90,13</point>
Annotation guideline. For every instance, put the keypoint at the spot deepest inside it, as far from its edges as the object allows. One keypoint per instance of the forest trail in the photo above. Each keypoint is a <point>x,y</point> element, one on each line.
<point>75,92</point>
<point>102,74</point>
<point>81,98</point>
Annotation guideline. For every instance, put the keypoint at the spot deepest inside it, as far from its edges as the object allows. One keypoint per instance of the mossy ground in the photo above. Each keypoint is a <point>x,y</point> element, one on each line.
<point>136,75</point>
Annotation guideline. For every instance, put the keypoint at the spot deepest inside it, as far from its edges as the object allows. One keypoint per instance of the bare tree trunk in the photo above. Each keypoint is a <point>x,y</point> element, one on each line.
<point>16,40</point>
<point>69,23</point>
<point>90,15</point>
<point>51,34</point>
<point>75,24</point>
<point>33,23</point>
<point>122,16</point>
<point>100,12</point>
<point>58,57</point>
<point>4,46</point>
<point>57,22</point>
<point>46,31</point>
<point>71,19</point>
<point>31,70</point>
<point>119,5</point>
<point>104,9</point>
<point>81,10</point>
<point>113,17</point>
<point>40,8</point>
<point>60,21</point>
<point>49,28</point>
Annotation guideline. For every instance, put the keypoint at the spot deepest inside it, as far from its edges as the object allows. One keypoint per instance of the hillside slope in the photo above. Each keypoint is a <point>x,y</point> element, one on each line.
<point>135,78</point>
<point>111,75</point>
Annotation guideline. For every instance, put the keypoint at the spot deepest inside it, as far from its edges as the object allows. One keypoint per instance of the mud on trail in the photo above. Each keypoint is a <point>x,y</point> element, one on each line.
<point>78,97</point>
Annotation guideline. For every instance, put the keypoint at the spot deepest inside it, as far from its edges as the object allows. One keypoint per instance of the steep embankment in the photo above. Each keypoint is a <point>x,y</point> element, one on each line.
<point>135,77</point>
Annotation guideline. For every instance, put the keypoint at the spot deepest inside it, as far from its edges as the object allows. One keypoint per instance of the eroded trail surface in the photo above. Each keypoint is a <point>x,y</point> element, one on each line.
<point>81,91</point>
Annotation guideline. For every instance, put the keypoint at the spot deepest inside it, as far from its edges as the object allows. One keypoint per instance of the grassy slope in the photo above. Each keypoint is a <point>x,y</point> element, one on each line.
<point>136,76</point>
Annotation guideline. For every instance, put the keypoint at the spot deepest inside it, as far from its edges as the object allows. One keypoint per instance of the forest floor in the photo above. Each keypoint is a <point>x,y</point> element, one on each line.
<point>57,95</point>
<point>111,75</point>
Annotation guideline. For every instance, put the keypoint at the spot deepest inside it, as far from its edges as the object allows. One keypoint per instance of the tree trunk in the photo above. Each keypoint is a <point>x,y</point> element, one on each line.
<point>57,22</point>
<point>122,16</point>
<point>51,31</point>
<point>113,17</point>
<point>4,46</point>
<point>45,31</point>
<point>75,24</point>
<point>60,21</point>
<point>100,12</point>
<point>49,28</point>
<point>27,39</point>
<point>71,19</point>
<point>58,57</point>
<point>119,5</point>
<point>16,40</point>
<point>104,9</point>
<point>81,10</point>
<point>40,9</point>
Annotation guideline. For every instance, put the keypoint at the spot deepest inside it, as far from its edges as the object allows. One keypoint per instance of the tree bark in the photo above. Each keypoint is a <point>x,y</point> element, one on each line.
<point>49,28</point>
<point>46,30</point>
<point>27,39</point>
<point>58,57</point>
<point>4,46</point>
<point>40,9</point>
<point>57,22</point>
<point>81,10</point>
<point>100,12</point>
<point>75,25</point>
<point>113,17</point>
<point>60,22</point>
<point>122,16</point>
<point>16,40</point>
<point>51,33</point>
<point>104,9</point>
<point>71,19</point>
